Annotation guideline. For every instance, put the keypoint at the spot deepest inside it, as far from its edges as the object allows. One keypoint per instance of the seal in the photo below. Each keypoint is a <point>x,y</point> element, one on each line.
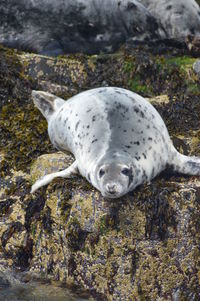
<point>118,139</point>
<point>179,18</point>
<point>52,27</point>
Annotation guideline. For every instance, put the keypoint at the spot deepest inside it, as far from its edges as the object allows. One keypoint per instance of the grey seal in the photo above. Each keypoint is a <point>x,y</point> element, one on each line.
<point>179,18</point>
<point>52,27</point>
<point>118,139</point>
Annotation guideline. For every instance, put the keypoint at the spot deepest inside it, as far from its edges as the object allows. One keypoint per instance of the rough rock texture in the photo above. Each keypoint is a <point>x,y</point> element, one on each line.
<point>144,246</point>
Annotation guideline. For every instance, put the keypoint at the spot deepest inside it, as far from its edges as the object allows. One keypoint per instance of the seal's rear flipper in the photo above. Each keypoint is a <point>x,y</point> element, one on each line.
<point>184,164</point>
<point>66,173</point>
<point>47,103</point>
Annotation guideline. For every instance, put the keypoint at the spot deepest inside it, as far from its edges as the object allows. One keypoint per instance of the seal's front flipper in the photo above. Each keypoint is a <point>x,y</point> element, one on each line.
<point>66,173</point>
<point>47,103</point>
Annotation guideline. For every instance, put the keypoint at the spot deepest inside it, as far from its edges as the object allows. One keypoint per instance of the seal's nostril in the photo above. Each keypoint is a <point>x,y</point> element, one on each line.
<point>112,192</point>
<point>111,188</point>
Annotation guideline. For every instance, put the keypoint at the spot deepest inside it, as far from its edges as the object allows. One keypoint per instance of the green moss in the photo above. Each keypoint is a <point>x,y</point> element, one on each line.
<point>128,66</point>
<point>151,75</point>
<point>180,61</point>
<point>136,86</point>
<point>136,82</point>
<point>103,227</point>
<point>193,88</point>
<point>33,229</point>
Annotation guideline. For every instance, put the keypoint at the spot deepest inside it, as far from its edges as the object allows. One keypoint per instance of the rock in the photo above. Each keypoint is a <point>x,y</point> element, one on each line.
<point>196,68</point>
<point>8,279</point>
<point>143,246</point>
<point>161,99</point>
<point>4,283</point>
<point>193,44</point>
<point>112,247</point>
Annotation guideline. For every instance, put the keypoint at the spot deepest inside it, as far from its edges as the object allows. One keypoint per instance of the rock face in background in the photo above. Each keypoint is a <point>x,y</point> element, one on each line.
<point>144,246</point>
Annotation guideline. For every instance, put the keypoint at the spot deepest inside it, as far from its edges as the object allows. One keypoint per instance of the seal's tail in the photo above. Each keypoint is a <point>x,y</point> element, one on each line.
<point>185,164</point>
<point>47,103</point>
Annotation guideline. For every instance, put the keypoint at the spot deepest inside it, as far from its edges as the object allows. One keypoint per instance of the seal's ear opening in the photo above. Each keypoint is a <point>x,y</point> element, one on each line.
<point>47,103</point>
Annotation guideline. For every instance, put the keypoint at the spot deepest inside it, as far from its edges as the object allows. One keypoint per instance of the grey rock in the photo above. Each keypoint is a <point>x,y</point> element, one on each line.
<point>196,68</point>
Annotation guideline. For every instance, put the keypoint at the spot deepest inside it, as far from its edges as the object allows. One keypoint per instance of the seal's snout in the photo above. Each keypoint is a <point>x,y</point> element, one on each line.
<point>111,188</point>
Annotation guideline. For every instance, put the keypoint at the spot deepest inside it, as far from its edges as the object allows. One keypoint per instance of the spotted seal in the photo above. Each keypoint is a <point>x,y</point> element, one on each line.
<point>89,26</point>
<point>118,139</point>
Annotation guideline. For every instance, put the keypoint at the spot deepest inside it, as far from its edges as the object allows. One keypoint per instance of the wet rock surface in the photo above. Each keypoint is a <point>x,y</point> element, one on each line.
<point>144,246</point>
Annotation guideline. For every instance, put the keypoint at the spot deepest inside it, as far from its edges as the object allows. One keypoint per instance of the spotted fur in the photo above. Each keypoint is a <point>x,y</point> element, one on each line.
<point>54,27</point>
<point>179,18</point>
<point>118,139</point>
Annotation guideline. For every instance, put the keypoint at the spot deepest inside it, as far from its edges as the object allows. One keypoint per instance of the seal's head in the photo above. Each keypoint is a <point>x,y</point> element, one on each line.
<point>114,176</point>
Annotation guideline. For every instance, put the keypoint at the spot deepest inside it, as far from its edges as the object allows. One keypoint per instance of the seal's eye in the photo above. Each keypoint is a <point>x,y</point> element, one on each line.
<point>125,171</point>
<point>101,172</point>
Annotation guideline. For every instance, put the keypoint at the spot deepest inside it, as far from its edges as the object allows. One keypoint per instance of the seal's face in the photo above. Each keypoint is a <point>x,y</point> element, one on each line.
<point>114,179</point>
